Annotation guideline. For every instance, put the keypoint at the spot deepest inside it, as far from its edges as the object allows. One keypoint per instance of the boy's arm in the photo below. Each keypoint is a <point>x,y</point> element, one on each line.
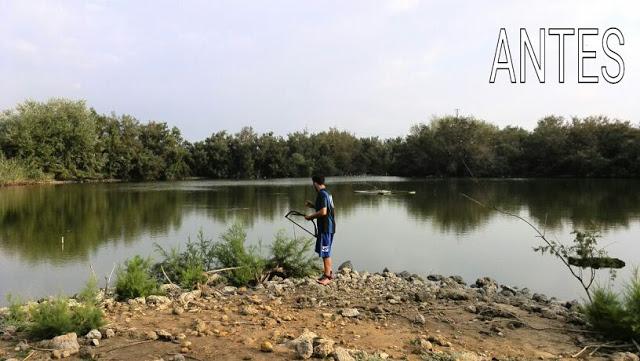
<point>321,213</point>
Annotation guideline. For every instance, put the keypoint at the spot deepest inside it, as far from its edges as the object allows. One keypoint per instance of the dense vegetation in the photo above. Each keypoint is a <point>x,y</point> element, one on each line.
<point>230,257</point>
<point>66,140</point>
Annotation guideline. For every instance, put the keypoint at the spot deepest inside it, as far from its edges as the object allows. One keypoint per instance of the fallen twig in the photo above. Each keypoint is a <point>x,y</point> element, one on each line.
<point>125,346</point>
<point>29,355</point>
<point>165,275</point>
<point>222,270</point>
<point>636,344</point>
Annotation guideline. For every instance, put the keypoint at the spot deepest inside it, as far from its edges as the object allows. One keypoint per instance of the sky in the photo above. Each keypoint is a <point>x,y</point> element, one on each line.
<point>374,68</point>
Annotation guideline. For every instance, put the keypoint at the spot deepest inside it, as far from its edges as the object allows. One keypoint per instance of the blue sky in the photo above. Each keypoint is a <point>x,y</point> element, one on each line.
<point>370,67</point>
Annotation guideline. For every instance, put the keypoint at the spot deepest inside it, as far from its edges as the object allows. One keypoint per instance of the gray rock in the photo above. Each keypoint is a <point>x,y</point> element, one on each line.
<point>93,334</point>
<point>459,280</point>
<point>538,297</point>
<point>422,296</point>
<point>304,349</point>
<point>453,294</point>
<point>154,300</point>
<point>164,335</point>
<point>341,354</point>
<point>109,333</point>
<point>435,278</point>
<point>68,343</point>
<point>350,312</point>
<point>322,347</point>
<point>345,264</point>
<point>419,319</point>
<point>624,356</point>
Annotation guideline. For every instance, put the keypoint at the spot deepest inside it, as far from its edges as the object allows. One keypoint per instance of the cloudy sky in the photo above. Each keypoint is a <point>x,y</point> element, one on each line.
<point>370,67</point>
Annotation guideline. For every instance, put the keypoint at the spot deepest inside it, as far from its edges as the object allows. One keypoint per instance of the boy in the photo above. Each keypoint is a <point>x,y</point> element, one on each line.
<point>326,225</point>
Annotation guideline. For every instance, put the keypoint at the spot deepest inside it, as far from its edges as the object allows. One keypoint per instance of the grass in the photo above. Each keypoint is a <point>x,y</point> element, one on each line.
<point>616,315</point>
<point>293,256</point>
<point>14,171</point>
<point>135,279</point>
<point>55,316</point>
<point>232,252</point>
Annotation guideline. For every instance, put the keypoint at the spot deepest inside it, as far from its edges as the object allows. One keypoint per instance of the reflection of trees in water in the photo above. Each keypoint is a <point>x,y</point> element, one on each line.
<point>582,202</point>
<point>32,219</point>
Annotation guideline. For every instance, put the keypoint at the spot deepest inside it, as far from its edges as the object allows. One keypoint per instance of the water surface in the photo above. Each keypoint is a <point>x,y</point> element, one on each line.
<point>435,230</point>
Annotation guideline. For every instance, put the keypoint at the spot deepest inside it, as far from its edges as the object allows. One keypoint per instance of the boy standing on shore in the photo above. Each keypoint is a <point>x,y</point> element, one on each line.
<point>324,213</point>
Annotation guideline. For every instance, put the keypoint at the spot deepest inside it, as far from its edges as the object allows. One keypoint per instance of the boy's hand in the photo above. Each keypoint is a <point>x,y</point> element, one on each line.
<point>308,218</point>
<point>309,204</point>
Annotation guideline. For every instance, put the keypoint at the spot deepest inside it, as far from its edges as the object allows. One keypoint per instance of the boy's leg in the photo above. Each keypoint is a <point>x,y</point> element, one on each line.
<point>327,266</point>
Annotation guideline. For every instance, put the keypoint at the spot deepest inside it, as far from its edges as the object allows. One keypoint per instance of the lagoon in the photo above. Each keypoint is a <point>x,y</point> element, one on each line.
<point>435,230</point>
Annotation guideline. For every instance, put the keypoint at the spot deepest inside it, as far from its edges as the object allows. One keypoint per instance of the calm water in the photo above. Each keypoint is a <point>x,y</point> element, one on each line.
<point>434,231</point>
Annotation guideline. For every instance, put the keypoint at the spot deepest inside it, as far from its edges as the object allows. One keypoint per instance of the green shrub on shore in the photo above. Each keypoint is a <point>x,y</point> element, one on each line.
<point>188,267</point>
<point>135,279</point>
<point>292,256</point>
<point>615,315</point>
<point>58,315</point>
<point>232,252</point>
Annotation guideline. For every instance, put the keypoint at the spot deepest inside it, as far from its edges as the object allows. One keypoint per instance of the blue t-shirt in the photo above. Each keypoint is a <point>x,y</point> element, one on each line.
<point>326,224</point>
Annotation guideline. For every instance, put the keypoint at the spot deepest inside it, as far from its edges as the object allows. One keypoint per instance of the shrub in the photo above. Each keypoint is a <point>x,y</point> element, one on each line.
<point>50,318</point>
<point>632,303</point>
<point>291,255</point>
<point>187,267</point>
<point>615,316</point>
<point>18,315</point>
<point>135,279</point>
<point>231,252</point>
<point>55,317</point>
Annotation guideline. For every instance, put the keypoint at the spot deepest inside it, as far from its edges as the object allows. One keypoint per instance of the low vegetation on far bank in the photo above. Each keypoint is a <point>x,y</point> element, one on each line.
<point>65,140</point>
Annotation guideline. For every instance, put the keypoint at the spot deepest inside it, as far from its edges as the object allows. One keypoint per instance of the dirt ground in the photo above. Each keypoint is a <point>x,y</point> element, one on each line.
<point>224,324</point>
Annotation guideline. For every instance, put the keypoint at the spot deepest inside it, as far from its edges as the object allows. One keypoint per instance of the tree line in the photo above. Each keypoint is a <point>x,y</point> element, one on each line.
<point>67,140</point>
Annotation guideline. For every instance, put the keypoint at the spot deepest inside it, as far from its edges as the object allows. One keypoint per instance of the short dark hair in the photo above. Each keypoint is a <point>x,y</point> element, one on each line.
<point>319,179</point>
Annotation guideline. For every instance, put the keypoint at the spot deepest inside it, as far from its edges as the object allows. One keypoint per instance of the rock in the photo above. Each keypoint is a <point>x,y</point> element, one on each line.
<point>68,343</point>
<point>435,278</point>
<point>425,345</point>
<point>538,297</point>
<point>438,340</point>
<point>304,349</point>
<point>177,357</point>
<point>248,310</point>
<point>266,346</point>
<point>164,335</point>
<point>94,342</point>
<point>229,289</point>
<point>88,353</point>
<point>471,309</point>
<point>493,311</point>
<point>345,265</point>
<point>350,312</point>
<point>459,280</point>
<point>341,354</point>
<point>199,325</point>
<point>170,289</point>
<point>404,274</point>
<point>56,354</point>
<point>154,300</point>
<point>93,334</point>
<point>177,310</point>
<point>423,296</point>
<point>453,294</point>
<point>109,333</point>
<point>487,284</point>
<point>187,297</point>
<point>151,335</point>
<point>419,319</point>
<point>507,291</point>
<point>624,356</point>
<point>322,347</point>
<point>21,346</point>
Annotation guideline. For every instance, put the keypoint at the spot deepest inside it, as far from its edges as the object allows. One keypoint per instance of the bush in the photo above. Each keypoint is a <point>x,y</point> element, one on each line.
<point>55,317</point>
<point>291,255</point>
<point>135,279</point>
<point>613,316</point>
<point>18,315</point>
<point>186,268</point>
<point>231,252</point>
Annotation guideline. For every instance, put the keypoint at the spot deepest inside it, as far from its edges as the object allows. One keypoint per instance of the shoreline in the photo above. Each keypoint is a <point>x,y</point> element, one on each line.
<point>359,316</point>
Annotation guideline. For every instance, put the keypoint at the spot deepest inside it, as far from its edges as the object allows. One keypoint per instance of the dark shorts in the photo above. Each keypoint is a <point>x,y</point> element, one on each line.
<point>323,244</point>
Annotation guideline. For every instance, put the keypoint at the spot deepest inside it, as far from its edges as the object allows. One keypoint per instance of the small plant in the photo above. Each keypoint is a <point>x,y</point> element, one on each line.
<point>135,279</point>
<point>292,256</point>
<point>613,315</point>
<point>231,252</point>
<point>186,267</point>
<point>55,317</point>
<point>18,315</point>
